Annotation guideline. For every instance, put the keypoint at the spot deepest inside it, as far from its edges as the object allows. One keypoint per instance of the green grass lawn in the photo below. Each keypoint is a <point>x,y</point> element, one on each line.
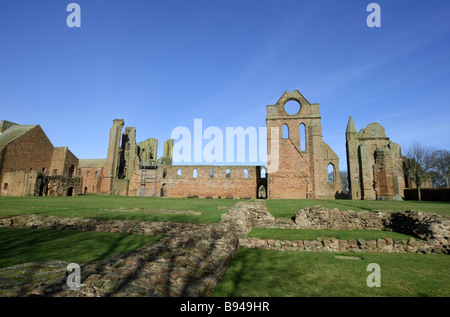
<point>100,206</point>
<point>312,234</point>
<point>286,208</point>
<point>254,272</point>
<point>270,273</point>
<point>27,245</point>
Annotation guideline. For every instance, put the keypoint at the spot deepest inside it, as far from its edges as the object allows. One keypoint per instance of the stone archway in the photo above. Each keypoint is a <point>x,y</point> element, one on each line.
<point>163,191</point>
<point>262,193</point>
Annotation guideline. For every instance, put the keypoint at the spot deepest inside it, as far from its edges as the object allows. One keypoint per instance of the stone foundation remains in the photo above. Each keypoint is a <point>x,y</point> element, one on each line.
<point>192,258</point>
<point>431,230</point>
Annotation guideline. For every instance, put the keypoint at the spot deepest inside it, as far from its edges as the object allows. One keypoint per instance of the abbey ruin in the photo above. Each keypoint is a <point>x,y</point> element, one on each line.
<point>307,166</point>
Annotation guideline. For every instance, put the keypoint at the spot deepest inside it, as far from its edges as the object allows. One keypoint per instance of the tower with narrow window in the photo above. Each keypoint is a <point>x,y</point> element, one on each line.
<point>301,165</point>
<point>374,163</point>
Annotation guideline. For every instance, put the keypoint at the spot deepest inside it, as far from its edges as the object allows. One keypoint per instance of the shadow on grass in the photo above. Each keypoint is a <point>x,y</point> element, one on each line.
<point>242,271</point>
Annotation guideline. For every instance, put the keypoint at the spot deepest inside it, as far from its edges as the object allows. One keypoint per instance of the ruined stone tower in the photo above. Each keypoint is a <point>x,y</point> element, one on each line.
<point>308,167</point>
<point>113,157</point>
<point>374,163</point>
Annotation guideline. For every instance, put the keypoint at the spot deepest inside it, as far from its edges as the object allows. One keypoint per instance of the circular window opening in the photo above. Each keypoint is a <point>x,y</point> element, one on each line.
<point>292,107</point>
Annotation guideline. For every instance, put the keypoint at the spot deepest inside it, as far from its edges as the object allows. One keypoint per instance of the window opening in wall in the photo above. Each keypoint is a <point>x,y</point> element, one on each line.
<point>96,173</point>
<point>88,173</point>
<point>245,173</point>
<point>71,169</point>
<point>262,192</point>
<point>292,107</point>
<point>179,172</point>
<point>55,172</point>
<point>5,186</point>
<point>330,170</point>
<point>164,173</point>
<point>285,131</point>
<point>194,173</point>
<point>211,173</point>
<point>228,173</point>
<point>263,173</point>
<point>302,137</point>
<point>163,191</point>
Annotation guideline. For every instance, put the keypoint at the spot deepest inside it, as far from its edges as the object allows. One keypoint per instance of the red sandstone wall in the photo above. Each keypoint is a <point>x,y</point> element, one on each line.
<point>62,161</point>
<point>291,179</point>
<point>203,185</point>
<point>31,151</point>
<point>90,180</point>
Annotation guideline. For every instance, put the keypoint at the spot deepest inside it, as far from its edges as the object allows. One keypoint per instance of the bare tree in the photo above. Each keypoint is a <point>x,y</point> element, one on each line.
<point>344,180</point>
<point>418,163</point>
<point>441,165</point>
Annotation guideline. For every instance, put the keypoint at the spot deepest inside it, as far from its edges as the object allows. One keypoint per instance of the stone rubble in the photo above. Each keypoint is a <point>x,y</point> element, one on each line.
<point>192,258</point>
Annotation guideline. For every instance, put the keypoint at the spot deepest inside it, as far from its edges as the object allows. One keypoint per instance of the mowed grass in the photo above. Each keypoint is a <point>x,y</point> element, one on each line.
<point>102,206</point>
<point>286,208</point>
<point>271,273</point>
<point>312,234</point>
<point>27,245</point>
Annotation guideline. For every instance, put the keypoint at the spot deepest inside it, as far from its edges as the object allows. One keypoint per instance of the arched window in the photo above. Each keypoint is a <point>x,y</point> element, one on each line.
<point>179,172</point>
<point>263,173</point>
<point>164,173</point>
<point>194,173</point>
<point>285,131</point>
<point>228,173</point>
<point>211,173</point>
<point>302,137</point>
<point>330,170</point>
<point>245,173</point>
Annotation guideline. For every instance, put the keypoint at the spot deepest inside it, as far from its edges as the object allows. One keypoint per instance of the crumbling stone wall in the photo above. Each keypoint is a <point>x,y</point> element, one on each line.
<point>432,231</point>
<point>192,258</point>
<point>196,181</point>
<point>57,186</point>
<point>374,164</point>
<point>189,261</point>
<point>303,168</point>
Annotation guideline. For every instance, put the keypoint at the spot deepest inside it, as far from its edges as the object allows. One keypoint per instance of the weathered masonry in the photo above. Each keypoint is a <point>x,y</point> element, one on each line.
<point>31,166</point>
<point>308,167</point>
<point>134,169</point>
<point>374,163</point>
<point>301,165</point>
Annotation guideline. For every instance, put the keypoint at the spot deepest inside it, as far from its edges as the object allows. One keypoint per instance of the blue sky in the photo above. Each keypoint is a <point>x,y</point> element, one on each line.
<point>161,64</point>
